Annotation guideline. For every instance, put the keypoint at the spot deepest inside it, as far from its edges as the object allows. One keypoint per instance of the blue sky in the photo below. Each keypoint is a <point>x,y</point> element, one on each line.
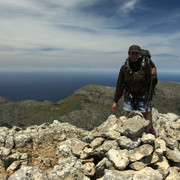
<point>87,35</point>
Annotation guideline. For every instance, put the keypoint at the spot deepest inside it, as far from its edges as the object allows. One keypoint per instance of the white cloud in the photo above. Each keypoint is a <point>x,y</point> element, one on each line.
<point>76,39</point>
<point>129,5</point>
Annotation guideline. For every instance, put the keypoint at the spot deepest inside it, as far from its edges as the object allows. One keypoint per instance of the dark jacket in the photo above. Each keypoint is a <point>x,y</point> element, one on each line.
<point>136,82</point>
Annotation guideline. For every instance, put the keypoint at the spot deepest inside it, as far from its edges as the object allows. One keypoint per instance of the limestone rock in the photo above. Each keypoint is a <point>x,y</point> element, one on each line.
<point>134,127</point>
<point>64,150</point>
<point>148,138</point>
<point>118,158</point>
<point>77,146</point>
<point>9,142</point>
<point>89,169</point>
<point>137,166</point>
<point>13,166</point>
<point>151,159</point>
<point>117,149</point>
<point>163,167</point>
<point>102,165</point>
<point>117,175</point>
<point>21,139</point>
<point>140,152</point>
<point>160,146</point>
<point>89,138</point>
<point>2,140</point>
<point>88,151</point>
<point>106,146</point>
<point>4,152</point>
<point>27,172</point>
<point>173,155</point>
<point>147,174</point>
<point>110,128</point>
<point>67,168</point>
<point>171,143</point>
<point>127,143</point>
<point>96,142</point>
<point>173,175</point>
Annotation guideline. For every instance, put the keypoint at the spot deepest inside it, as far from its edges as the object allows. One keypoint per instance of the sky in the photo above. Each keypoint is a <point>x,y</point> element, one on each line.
<point>87,35</point>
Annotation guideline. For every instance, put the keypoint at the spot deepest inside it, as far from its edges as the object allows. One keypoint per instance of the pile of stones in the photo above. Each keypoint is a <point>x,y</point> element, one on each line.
<point>120,148</point>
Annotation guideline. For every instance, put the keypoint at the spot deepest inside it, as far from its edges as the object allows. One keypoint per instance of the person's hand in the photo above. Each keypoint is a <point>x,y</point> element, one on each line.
<point>114,107</point>
<point>153,72</point>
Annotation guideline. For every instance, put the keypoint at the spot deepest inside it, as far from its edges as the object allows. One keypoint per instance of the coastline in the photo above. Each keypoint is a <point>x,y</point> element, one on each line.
<point>53,86</point>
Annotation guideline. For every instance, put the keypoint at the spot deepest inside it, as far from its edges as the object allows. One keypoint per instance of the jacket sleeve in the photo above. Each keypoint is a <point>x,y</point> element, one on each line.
<point>119,85</point>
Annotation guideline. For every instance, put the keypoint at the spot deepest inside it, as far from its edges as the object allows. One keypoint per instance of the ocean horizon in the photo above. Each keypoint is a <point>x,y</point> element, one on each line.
<point>54,86</point>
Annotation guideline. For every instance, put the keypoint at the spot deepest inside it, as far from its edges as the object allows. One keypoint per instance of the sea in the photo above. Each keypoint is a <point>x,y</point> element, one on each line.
<point>54,86</point>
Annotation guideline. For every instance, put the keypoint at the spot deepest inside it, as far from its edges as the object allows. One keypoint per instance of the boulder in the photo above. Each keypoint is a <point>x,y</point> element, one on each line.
<point>134,127</point>
<point>140,152</point>
<point>118,158</point>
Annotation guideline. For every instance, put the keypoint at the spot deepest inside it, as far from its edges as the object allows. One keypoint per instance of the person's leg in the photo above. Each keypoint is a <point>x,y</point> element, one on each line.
<point>127,113</point>
<point>148,116</point>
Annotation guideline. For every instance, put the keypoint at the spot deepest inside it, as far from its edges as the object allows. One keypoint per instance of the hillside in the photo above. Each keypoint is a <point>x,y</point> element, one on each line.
<point>87,108</point>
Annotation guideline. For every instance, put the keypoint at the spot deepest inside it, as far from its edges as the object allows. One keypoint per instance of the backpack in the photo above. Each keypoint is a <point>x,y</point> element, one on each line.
<point>146,58</point>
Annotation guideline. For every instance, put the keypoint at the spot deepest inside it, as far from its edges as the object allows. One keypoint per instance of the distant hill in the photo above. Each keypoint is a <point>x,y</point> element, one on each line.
<point>87,108</point>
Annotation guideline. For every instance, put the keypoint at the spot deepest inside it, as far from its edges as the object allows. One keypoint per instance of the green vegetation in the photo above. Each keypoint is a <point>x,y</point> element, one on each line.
<point>87,108</point>
<point>7,162</point>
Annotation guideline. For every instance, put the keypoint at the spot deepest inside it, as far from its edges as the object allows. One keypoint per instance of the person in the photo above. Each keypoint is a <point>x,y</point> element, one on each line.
<point>134,83</point>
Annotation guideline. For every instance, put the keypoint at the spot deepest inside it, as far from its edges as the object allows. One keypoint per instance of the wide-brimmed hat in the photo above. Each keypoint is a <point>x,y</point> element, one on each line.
<point>134,48</point>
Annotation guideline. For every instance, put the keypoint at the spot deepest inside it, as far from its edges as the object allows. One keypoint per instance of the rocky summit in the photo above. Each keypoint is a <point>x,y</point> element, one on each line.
<point>119,149</point>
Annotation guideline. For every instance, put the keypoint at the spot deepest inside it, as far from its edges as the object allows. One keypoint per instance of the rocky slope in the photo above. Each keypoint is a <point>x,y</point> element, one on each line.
<point>120,148</point>
<point>87,108</point>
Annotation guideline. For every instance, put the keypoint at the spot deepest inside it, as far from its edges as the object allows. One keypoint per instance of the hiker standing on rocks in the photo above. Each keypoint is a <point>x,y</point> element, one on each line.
<point>136,77</point>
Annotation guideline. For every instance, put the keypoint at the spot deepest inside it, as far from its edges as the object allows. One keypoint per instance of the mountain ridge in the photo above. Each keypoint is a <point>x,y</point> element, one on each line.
<point>86,108</point>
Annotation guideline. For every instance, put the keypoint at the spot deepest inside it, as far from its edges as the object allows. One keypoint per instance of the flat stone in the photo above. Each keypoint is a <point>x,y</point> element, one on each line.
<point>173,155</point>
<point>140,152</point>
<point>106,146</point>
<point>118,175</point>
<point>147,174</point>
<point>137,166</point>
<point>96,142</point>
<point>13,166</point>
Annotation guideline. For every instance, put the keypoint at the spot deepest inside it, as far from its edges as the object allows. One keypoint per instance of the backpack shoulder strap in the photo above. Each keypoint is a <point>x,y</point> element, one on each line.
<point>127,66</point>
<point>145,60</point>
